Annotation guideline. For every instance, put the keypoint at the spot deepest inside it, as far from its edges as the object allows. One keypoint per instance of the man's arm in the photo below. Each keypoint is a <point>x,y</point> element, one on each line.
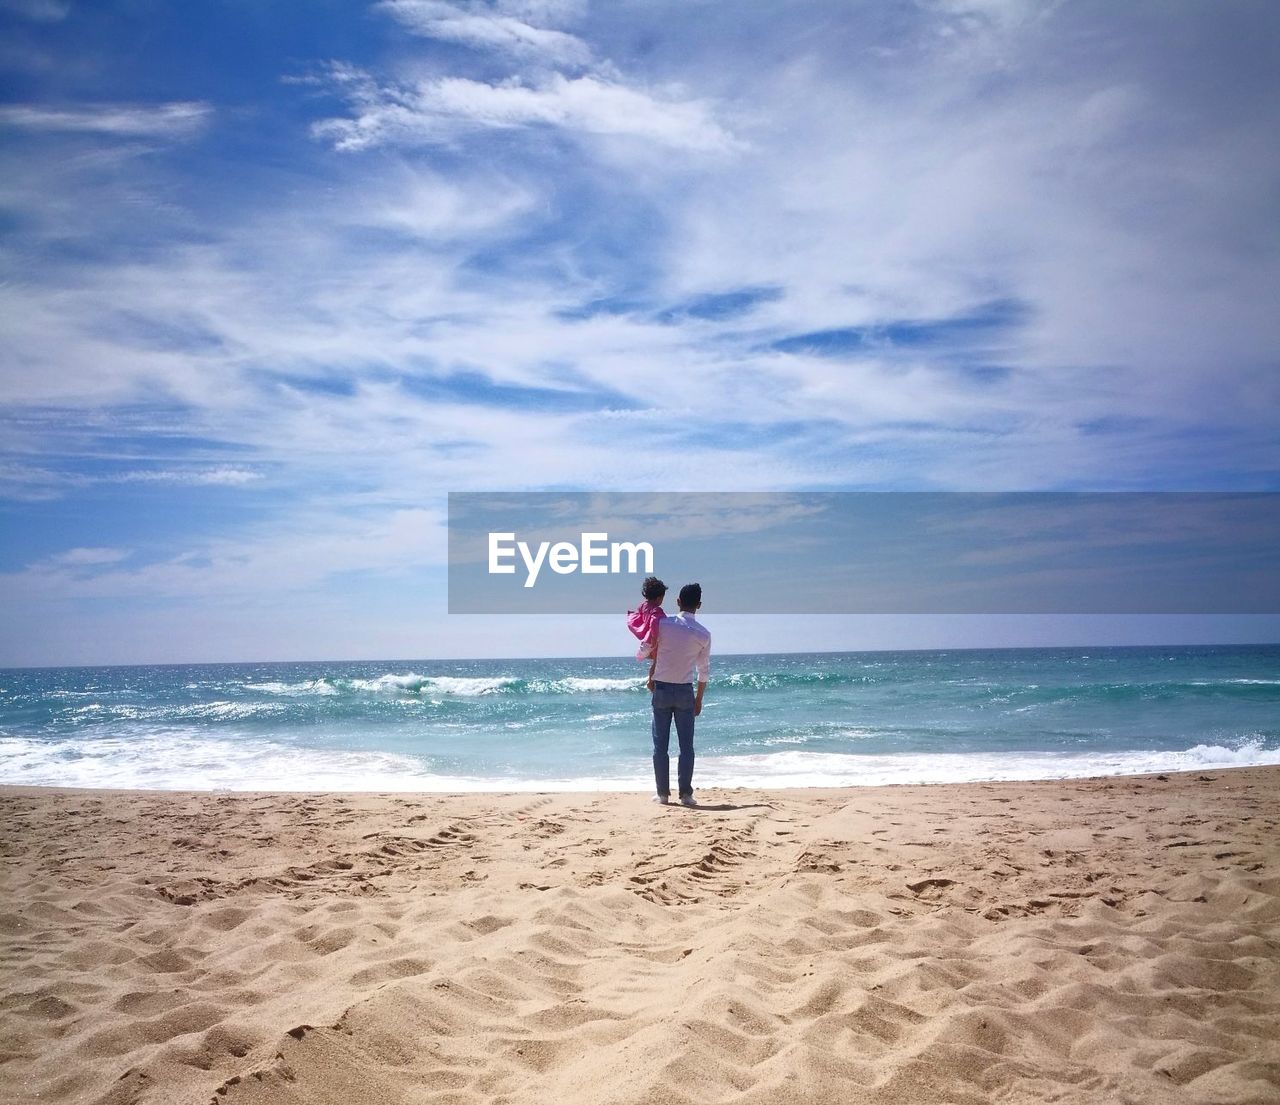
<point>653,659</point>
<point>703,664</point>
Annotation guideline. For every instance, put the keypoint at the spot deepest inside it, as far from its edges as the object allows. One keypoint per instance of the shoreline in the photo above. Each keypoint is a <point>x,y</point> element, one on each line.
<point>639,790</point>
<point>1077,940</point>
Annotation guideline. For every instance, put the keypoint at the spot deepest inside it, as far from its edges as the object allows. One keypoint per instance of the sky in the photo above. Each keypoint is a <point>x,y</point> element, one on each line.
<point>278,277</point>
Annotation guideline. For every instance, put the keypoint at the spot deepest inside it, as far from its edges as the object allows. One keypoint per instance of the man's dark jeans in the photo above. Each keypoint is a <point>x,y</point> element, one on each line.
<point>673,700</point>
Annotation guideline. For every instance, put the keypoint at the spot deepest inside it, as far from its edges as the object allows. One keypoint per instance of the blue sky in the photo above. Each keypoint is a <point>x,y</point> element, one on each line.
<point>278,277</point>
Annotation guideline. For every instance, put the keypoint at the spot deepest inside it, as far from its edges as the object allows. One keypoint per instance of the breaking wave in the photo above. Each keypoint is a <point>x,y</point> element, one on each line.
<point>412,684</point>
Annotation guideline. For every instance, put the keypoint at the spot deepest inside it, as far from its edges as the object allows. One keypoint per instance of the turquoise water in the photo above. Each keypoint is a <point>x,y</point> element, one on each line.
<point>827,719</point>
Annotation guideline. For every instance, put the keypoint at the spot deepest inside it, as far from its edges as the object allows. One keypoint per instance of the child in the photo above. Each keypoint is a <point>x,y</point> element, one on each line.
<point>644,621</point>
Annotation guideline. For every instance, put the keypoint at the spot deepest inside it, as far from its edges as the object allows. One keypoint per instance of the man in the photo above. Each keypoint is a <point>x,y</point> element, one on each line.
<point>683,651</point>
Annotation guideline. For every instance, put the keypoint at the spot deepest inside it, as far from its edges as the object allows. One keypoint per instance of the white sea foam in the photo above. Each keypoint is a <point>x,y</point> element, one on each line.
<point>1245,682</point>
<point>575,685</point>
<point>174,760</point>
<point>310,686</point>
<point>97,713</point>
<point>411,684</point>
<point>465,686</point>
<point>828,769</point>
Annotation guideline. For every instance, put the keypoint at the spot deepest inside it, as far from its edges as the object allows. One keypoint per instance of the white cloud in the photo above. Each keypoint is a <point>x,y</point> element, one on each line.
<point>39,11</point>
<point>544,12</point>
<point>489,28</point>
<point>436,111</point>
<point>88,557</point>
<point>225,475</point>
<point>30,483</point>
<point>431,207</point>
<point>592,99</point>
<point>924,187</point>
<point>172,120</point>
<point>1004,14</point>
<point>301,552</point>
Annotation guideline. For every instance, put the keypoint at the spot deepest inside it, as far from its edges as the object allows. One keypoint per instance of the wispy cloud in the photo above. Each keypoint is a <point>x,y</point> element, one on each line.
<point>415,202</point>
<point>507,28</point>
<point>436,111</point>
<point>171,120</point>
<point>553,80</point>
<point>30,483</point>
<point>39,11</point>
<point>264,561</point>
<point>222,476</point>
<point>33,483</point>
<point>89,557</point>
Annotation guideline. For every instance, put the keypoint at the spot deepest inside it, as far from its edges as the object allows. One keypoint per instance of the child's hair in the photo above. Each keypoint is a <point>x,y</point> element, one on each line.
<point>653,589</point>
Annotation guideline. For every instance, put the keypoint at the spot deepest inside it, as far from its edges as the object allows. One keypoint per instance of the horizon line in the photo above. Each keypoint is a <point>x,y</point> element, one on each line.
<point>623,656</point>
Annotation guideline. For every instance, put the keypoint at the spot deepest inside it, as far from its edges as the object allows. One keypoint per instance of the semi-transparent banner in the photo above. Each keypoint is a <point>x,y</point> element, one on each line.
<point>868,552</point>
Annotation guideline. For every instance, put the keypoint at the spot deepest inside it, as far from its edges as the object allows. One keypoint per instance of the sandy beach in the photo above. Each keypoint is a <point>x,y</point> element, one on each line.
<point>1103,940</point>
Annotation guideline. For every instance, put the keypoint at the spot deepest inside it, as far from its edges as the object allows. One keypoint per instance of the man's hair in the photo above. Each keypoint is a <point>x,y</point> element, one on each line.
<point>690,596</point>
<point>652,588</point>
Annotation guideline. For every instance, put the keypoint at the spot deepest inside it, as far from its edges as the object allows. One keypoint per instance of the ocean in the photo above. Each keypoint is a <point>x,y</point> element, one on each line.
<point>793,720</point>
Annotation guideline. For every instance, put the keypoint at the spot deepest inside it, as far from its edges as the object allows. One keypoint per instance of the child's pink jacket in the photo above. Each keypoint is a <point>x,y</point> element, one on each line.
<point>644,624</point>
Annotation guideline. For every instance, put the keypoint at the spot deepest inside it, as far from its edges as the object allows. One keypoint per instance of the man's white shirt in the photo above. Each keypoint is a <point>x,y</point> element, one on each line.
<point>684,647</point>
